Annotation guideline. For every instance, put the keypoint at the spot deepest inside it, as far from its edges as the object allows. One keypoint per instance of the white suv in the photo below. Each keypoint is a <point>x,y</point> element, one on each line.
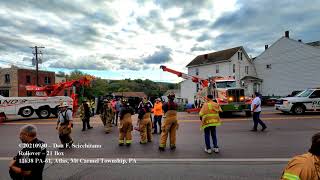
<point>307,100</point>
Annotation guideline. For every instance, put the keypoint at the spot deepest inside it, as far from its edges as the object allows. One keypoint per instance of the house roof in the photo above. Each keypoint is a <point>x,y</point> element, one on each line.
<point>130,94</point>
<point>315,43</point>
<point>214,57</point>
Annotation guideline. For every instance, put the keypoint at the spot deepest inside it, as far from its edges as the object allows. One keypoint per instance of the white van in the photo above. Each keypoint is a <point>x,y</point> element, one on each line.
<point>27,106</point>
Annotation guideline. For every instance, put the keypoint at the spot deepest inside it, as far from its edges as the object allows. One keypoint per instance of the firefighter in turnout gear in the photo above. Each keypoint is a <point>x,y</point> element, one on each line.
<point>125,126</point>
<point>106,116</point>
<point>209,115</point>
<point>85,115</point>
<point>170,124</point>
<point>145,125</point>
<point>305,166</point>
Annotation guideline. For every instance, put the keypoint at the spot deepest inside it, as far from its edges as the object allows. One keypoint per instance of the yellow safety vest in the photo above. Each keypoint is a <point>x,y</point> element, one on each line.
<point>210,114</point>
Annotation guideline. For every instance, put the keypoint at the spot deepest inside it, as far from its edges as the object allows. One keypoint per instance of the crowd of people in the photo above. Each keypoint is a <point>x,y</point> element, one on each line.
<point>303,167</point>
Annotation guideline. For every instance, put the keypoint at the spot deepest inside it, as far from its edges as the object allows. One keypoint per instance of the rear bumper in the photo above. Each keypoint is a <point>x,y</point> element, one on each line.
<point>236,107</point>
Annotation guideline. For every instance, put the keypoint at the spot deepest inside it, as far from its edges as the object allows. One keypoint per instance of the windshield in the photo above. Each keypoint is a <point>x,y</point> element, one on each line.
<point>305,93</point>
<point>226,84</point>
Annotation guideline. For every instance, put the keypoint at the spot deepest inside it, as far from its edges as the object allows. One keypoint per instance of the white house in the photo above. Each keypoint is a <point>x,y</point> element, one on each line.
<point>288,65</point>
<point>230,62</point>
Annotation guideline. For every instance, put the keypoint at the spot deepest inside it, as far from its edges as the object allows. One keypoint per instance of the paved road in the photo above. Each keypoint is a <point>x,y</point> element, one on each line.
<point>244,154</point>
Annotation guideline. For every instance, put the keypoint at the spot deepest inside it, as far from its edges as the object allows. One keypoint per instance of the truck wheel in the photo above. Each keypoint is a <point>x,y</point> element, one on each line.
<point>298,109</point>
<point>43,112</point>
<point>26,111</point>
<point>248,114</point>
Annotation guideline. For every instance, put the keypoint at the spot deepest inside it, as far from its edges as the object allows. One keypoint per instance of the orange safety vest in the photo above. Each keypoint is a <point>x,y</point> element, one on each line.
<point>157,110</point>
<point>210,114</point>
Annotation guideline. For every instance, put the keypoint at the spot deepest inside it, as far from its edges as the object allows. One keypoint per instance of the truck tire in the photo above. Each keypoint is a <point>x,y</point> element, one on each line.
<point>298,109</point>
<point>54,111</point>
<point>43,112</point>
<point>248,114</point>
<point>26,111</point>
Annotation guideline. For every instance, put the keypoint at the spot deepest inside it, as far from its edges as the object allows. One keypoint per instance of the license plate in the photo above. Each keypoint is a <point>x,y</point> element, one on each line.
<point>236,106</point>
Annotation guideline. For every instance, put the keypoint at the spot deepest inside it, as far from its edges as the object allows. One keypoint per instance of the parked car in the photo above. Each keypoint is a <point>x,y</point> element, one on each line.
<point>307,100</point>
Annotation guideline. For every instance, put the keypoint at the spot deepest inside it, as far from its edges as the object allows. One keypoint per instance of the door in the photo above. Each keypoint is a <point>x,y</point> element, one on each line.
<point>315,98</point>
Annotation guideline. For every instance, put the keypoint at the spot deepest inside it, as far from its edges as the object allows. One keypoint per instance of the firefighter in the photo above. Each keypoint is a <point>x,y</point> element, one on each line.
<point>170,124</point>
<point>209,115</point>
<point>85,115</point>
<point>305,166</point>
<point>64,125</point>
<point>107,115</point>
<point>145,125</point>
<point>125,125</point>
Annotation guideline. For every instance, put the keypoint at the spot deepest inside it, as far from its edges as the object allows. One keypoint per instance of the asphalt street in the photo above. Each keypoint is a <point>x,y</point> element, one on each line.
<point>244,154</point>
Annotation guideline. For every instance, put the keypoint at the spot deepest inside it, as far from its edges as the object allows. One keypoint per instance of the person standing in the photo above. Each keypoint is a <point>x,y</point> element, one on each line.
<point>125,125</point>
<point>64,125</point>
<point>305,166</point>
<point>85,115</point>
<point>145,126</point>
<point>170,125</point>
<point>158,112</point>
<point>107,116</point>
<point>28,164</point>
<point>256,109</point>
<point>209,115</point>
<point>117,110</point>
<point>92,106</point>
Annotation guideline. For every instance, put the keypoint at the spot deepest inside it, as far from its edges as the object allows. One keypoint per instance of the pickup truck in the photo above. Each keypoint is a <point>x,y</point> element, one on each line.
<point>307,100</point>
<point>27,106</point>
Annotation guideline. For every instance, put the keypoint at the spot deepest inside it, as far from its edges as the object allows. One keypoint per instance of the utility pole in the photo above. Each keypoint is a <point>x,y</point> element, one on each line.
<point>36,62</point>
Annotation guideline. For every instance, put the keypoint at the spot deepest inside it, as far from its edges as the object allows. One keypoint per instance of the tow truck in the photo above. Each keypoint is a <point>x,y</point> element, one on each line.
<point>224,91</point>
<point>307,100</point>
<point>46,102</point>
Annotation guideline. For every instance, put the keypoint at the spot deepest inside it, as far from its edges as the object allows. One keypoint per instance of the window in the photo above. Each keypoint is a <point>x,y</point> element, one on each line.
<point>233,68</point>
<point>197,87</point>
<point>65,92</point>
<point>246,69</point>
<point>241,56</point>
<point>238,55</point>
<point>4,93</point>
<point>268,66</point>
<point>7,78</point>
<point>28,79</point>
<point>47,80</point>
<point>29,93</point>
<point>315,94</point>
<point>197,71</point>
<point>217,68</point>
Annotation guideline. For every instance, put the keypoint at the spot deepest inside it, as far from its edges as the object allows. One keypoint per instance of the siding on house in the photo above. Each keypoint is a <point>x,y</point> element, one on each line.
<point>288,65</point>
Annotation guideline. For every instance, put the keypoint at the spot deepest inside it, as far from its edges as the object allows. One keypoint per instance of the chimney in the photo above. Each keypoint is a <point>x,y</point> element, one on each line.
<point>300,40</point>
<point>286,34</point>
<point>205,56</point>
<point>266,47</point>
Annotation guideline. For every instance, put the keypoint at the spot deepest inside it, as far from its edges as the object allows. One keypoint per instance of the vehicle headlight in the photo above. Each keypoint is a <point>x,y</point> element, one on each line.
<point>230,98</point>
<point>241,98</point>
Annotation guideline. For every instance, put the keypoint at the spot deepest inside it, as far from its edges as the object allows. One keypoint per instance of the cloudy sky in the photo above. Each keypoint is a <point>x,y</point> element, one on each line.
<point>117,39</point>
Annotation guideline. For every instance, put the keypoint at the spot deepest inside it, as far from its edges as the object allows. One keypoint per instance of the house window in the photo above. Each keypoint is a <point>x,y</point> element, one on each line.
<point>246,69</point>
<point>268,66</point>
<point>197,87</point>
<point>238,55</point>
<point>47,80</point>
<point>233,68</point>
<point>197,71</point>
<point>29,93</point>
<point>217,68</point>
<point>4,93</point>
<point>28,79</point>
<point>7,78</point>
<point>241,56</point>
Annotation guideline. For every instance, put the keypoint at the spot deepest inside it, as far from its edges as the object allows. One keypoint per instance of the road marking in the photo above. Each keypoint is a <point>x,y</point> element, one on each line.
<point>183,160</point>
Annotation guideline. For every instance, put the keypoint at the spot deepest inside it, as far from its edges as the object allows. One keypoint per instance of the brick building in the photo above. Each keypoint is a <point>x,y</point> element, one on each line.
<point>13,81</point>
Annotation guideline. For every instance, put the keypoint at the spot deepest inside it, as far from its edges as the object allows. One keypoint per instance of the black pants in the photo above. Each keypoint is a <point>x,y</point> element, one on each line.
<point>257,120</point>
<point>116,118</point>
<point>157,120</point>
<point>86,123</point>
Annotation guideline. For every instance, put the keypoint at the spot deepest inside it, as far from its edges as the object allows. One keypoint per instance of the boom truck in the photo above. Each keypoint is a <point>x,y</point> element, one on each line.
<point>224,91</point>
